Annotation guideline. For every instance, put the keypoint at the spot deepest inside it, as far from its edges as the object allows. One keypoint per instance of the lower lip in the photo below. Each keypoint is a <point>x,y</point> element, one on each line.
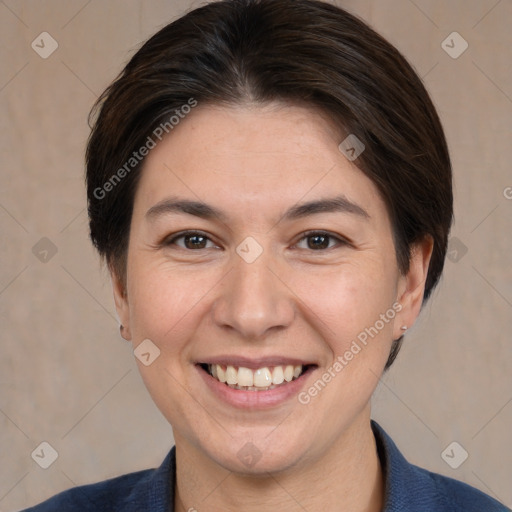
<point>255,399</point>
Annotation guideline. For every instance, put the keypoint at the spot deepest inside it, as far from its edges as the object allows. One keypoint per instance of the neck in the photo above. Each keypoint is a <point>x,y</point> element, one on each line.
<point>346,477</point>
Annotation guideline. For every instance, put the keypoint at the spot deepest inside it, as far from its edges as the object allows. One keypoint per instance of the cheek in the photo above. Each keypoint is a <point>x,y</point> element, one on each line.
<point>164,308</point>
<point>163,301</point>
<point>349,303</point>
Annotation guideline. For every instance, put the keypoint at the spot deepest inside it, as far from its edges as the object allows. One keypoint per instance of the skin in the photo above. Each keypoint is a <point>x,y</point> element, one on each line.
<point>254,163</point>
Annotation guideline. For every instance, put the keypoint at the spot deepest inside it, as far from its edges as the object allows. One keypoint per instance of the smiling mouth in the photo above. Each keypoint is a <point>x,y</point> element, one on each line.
<point>261,379</point>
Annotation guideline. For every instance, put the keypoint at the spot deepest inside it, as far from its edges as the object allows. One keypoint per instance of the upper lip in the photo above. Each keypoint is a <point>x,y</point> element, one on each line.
<point>254,363</point>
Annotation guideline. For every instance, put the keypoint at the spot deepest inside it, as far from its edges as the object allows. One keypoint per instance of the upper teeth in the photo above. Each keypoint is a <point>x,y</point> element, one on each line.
<point>261,378</point>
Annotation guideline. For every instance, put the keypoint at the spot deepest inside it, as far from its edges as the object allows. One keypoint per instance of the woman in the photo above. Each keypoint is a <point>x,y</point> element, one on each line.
<point>270,186</point>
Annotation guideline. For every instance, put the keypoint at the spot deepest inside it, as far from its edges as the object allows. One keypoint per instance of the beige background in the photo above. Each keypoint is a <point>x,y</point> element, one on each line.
<point>67,378</point>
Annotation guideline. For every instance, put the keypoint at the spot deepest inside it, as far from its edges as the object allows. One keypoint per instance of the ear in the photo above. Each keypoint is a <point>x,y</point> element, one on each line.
<point>412,285</point>
<point>121,302</point>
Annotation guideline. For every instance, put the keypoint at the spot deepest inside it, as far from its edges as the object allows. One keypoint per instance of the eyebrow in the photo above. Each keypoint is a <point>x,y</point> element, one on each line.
<point>338,204</point>
<point>196,208</point>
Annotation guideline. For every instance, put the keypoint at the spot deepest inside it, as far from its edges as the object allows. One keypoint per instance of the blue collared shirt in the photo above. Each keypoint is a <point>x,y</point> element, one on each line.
<point>408,488</point>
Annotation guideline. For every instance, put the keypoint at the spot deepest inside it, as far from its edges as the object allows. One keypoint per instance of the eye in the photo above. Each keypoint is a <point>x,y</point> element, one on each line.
<point>320,240</point>
<point>192,240</point>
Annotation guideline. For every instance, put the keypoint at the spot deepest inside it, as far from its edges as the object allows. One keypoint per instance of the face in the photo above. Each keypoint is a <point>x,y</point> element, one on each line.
<point>255,245</point>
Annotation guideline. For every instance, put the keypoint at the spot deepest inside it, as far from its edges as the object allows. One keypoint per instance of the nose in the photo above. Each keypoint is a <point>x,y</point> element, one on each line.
<point>254,299</point>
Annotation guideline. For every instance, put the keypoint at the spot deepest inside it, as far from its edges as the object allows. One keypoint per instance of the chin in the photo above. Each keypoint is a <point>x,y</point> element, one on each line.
<point>257,455</point>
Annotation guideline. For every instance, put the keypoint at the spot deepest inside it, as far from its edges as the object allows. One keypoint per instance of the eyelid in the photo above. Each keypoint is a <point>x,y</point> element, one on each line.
<point>171,239</point>
<point>340,239</point>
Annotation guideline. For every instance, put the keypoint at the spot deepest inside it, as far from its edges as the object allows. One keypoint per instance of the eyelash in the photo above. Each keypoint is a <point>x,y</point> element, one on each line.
<point>308,234</point>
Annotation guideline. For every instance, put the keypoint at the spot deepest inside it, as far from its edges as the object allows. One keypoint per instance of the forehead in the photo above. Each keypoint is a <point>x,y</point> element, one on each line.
<point>263,131</point>
<point>253,157</point>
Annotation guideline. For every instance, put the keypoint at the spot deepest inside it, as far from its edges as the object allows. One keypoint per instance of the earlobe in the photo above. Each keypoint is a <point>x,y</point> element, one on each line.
<point>412,285</point>
<point>125,333</point>
<point>121,302</point>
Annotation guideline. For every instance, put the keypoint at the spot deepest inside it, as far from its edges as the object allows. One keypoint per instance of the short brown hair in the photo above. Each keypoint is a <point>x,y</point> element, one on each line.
<point>303,51</point>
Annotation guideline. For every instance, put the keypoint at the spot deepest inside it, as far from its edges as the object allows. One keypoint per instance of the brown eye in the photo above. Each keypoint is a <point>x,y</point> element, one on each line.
<point>195,241</point>
<point>191,241</point>
<point>317,241</point>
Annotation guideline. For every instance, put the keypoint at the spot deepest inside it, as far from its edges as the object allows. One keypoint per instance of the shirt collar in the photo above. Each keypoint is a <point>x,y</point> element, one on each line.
<point>404,482</point>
